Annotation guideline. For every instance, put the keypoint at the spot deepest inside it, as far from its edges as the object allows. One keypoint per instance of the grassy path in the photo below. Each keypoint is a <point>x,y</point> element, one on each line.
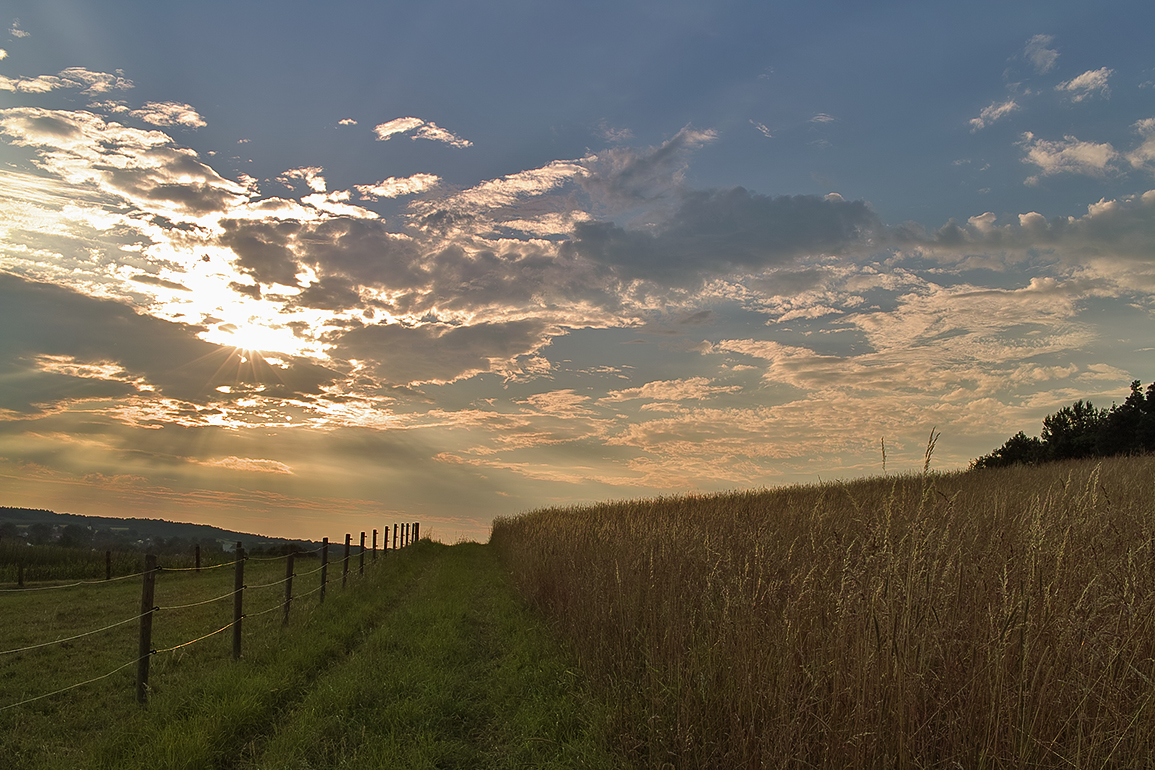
<point>431,661</point>
<point>461,676</point>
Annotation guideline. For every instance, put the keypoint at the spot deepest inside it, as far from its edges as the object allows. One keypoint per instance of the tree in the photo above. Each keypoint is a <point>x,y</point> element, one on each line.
<point>1073,431</point>
<point>1020,448</point>
<point>1081,430</point>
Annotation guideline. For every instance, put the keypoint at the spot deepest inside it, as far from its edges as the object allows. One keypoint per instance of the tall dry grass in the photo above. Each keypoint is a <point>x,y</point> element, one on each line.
<point>1001,618</point>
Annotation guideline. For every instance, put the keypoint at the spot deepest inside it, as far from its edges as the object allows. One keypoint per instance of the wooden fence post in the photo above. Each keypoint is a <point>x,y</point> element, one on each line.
<point>288,587</point>
<point>144,651</point>
<point>416,531</point>
<point>345,568</point>
<point>385,541</point>
<point>324,567</point>
<point>197,557</point>
<point>374,545</point>
<point>394,537</point>
<point>238,600</point>
<point>361,564</point>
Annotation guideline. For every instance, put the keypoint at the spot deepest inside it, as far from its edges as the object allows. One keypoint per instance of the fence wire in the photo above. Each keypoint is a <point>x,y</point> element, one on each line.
<point>159,569</point>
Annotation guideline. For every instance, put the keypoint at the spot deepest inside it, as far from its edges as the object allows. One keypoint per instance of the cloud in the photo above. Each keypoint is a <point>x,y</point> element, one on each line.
<point>395,187</point>
<point>3,54</point>
<point>249,465</point>
<point>310,175</point>
<point>1143,156</point>
<point>141,167</point>
<point>169,114</point>
<point>625,178</point>
<point>117,351</point>
<point>992,113</point>
<point>1042,58</point>
<point>822,117</point>
<point>346,122</point>
<point>1068,155</point>
<point>421,129</point>
<point>693,388</point>
<point>763,129</point>
<point>720,232</point>
<point>15,30</point>
<point>439,353</point>
<point>1090,83</point>
<point>614,135</point>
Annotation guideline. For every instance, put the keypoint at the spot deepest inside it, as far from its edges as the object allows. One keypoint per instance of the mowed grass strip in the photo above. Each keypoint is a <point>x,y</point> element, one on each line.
<point>462,676</point>
<point>428,661</point>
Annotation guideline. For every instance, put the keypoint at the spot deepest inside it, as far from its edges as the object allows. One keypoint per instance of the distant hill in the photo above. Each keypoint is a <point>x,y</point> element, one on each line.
<point>130,531</point>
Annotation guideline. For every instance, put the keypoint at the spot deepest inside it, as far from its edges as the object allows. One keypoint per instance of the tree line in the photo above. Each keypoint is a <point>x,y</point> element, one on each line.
<point>1082,430</point>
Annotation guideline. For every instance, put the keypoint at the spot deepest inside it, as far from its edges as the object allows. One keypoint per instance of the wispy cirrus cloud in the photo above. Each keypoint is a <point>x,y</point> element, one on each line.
<point>1090,83</point>
<point>992,113</point>
<point>1041,57</point>
<point>395,187</point>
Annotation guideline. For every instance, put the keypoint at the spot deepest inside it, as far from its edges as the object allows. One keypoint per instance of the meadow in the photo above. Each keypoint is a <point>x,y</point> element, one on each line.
<point>427,660</point>
<point>993,618</point>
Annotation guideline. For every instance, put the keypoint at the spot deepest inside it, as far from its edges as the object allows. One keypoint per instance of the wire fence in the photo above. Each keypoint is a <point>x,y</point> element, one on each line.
<point>403,534</point>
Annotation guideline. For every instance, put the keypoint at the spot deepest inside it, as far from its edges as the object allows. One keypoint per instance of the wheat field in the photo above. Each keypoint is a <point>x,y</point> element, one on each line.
<point>997,618</point>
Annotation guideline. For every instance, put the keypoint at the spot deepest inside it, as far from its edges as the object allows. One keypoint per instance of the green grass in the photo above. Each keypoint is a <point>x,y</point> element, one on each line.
<point>430,660</point>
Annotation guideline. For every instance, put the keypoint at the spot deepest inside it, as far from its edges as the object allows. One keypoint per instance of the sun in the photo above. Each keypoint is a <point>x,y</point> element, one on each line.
<point>256,338</point>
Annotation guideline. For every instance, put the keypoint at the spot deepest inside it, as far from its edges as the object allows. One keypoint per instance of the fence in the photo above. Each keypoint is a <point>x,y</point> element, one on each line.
<point>192,599</point>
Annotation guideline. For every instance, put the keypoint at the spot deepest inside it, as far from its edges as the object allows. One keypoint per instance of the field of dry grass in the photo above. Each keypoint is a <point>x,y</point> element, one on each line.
<point>997,618</point>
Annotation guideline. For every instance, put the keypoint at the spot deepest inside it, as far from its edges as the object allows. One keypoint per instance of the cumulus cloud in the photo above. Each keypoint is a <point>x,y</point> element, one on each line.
<point>994,112</point>
<point>1067,155</point>
<point>420,129</point>
<point>346,122</point>
<point>1090,83</point>
<point>1042,58</point>
<point>15,30</point>
<point>169,114</point>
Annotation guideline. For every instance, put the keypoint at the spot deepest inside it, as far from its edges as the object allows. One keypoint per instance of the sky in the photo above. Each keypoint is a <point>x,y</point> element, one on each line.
<point>304,269</point>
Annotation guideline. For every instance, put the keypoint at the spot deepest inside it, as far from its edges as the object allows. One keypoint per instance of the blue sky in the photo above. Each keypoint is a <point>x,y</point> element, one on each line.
<point>297,269</point>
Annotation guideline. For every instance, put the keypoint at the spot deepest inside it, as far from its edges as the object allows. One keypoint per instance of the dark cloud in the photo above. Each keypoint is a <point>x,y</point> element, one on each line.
<point>263,250</point>
<point>438,353</point>
<point>154,281</point>
<point>718,232</point>
<point>331,293</point>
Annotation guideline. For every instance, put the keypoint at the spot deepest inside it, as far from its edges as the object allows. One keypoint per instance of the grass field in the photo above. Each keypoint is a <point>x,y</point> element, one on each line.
<point>428,661</point>
<point>1002,618</point>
